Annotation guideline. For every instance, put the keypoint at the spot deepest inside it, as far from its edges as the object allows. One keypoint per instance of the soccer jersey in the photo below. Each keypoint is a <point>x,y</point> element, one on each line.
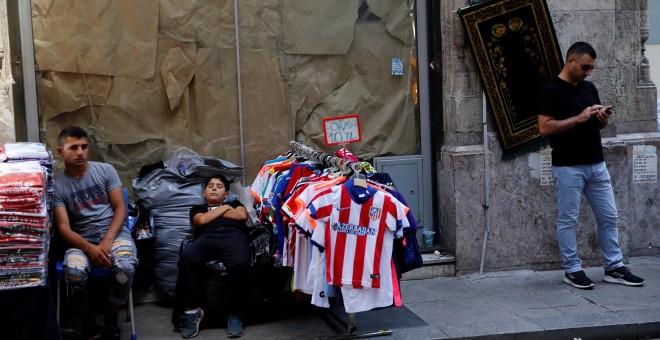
<point>259,184</point>
<point>364,299</point>
<point>303,227</point>
<point>295,206</point>
<point>356,230</point>
<point>316,281</point>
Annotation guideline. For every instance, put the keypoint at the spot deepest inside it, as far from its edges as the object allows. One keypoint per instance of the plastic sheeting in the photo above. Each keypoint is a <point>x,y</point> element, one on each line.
<point>168,194</point>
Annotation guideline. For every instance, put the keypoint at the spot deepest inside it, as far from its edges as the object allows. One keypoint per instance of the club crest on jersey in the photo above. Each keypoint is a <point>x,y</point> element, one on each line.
<point>374,213</point>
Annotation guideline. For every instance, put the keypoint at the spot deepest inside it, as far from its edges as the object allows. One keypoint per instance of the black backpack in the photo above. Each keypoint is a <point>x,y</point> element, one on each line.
<point>263,246</point>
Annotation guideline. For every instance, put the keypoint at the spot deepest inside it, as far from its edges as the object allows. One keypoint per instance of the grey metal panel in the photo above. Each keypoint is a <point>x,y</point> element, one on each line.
<point>406,172</point>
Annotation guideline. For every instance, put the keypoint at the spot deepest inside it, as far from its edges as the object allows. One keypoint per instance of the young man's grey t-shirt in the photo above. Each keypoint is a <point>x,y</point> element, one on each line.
<point>86,199</point>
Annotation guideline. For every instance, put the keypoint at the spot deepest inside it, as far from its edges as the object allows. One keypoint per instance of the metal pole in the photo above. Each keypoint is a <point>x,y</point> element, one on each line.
<point>424,110</point>
<point>29,76</point>
<point>240,98</point>
<point>486,185</point>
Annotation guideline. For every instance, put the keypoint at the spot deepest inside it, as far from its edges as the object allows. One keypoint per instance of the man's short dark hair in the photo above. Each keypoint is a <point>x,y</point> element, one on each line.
<point>222,179</point>
<point>579,49</point>
<point>71,131</point>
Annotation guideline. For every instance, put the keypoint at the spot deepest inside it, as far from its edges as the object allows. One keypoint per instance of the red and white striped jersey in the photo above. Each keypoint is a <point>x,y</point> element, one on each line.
<point>356,230</point>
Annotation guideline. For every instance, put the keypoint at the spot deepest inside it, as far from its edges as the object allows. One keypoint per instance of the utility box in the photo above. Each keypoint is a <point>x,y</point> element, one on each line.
<point>406,172</point>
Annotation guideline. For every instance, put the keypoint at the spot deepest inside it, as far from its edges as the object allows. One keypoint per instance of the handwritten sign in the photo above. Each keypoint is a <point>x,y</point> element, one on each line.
<point>342,130</point>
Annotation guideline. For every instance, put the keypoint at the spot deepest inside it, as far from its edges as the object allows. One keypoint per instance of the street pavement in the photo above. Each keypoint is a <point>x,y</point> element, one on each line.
<point>520,304</point>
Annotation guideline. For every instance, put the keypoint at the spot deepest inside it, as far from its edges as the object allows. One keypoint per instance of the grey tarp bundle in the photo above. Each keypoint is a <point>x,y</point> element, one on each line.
<point>168,194</point>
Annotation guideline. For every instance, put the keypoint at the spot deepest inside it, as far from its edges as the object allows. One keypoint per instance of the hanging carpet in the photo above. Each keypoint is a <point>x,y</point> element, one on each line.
<point>516,49</point>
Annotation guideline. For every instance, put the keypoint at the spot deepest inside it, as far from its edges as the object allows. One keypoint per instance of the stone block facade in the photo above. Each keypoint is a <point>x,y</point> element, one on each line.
<point>478,191</point>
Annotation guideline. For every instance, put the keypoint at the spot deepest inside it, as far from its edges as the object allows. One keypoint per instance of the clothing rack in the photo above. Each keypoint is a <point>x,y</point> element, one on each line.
<point>338,163</point>
<point>324,158</point>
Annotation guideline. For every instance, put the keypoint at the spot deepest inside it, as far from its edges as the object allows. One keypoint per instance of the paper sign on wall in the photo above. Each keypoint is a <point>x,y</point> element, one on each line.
<point>645,164</point>
<point>397,67</point>
<point>541,166</point>
<point>342,130</point>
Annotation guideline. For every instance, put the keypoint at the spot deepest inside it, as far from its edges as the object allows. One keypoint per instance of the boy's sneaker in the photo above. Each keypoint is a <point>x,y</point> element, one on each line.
<point>190,323</point>
<point>623,276</point>
<point>234,327</point>
<point>579,280</point>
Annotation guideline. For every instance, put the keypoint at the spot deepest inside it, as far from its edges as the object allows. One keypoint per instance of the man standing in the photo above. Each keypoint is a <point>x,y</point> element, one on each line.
<point>571,115</point>
<point>89,212</point>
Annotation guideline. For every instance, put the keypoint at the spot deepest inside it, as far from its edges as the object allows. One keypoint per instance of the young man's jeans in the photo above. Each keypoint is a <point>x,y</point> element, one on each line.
<point>123,256</point>
<point>594,181</point>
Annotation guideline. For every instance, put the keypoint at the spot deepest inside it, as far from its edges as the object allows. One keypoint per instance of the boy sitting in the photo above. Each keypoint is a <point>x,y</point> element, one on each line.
<point>221,230</point>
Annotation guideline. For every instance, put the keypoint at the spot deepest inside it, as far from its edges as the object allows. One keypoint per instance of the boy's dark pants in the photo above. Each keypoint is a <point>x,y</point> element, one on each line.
<point>228,245</point>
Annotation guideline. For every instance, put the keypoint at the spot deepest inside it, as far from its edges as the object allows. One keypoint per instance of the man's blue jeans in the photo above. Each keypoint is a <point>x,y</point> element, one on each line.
<point>594,181</point>
<point>123,256</point>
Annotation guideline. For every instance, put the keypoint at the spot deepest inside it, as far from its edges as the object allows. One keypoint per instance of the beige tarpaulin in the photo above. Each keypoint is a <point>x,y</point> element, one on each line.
<point>307,23</point>
<point>64,92</point>
<point>396,14</point>
<point>177,71</point>
<point>108,37</point>
<point>163,74</point>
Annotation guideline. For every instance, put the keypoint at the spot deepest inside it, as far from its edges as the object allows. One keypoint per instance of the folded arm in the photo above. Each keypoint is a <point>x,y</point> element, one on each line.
<point>225,210</point>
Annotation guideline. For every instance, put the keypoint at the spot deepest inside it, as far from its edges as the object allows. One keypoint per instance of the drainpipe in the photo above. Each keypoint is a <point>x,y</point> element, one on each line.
<point>486,185</point>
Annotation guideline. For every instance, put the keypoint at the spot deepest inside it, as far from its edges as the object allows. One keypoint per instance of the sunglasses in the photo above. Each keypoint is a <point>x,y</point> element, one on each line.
<point>585,68</point>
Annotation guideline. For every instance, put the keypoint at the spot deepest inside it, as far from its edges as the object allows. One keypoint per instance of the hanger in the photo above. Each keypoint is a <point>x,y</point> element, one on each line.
<point>359,180</point>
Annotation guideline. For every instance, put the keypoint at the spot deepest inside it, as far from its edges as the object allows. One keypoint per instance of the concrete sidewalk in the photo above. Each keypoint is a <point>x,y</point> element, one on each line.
<point>522,304</point>
<point>529,304</point>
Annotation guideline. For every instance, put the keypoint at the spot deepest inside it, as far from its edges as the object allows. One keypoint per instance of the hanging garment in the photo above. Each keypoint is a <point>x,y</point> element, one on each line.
<point>359,226</point>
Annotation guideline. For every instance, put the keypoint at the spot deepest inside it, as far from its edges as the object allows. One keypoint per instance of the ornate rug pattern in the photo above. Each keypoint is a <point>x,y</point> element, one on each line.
<point>516,49</point>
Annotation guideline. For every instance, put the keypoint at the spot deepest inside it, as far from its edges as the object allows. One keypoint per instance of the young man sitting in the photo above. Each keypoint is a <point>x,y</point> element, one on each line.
<point>222,235</point>
<point>89,210</point>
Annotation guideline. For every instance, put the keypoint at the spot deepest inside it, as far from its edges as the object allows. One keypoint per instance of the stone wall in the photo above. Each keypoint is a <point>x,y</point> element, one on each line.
<point>521,212</point>
<point>7,133</point>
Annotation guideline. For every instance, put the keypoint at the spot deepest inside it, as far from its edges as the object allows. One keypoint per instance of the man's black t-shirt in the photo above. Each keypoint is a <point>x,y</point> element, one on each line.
<point>581,144</point>
<point>220,222</point>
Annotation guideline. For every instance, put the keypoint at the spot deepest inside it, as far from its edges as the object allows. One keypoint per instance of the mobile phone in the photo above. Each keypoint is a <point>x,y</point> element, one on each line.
<point>608,107</point>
